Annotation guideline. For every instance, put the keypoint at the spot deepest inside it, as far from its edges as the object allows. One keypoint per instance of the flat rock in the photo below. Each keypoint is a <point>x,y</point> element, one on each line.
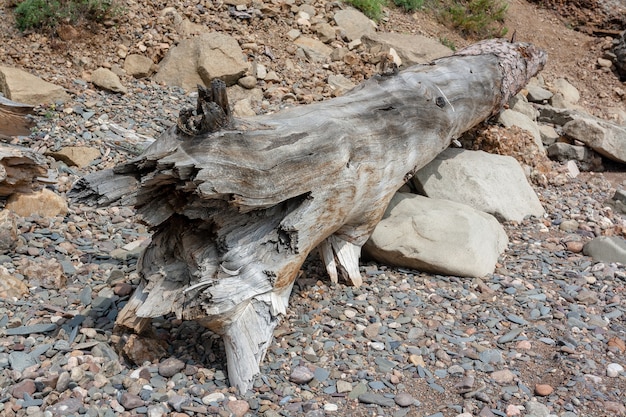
<point>170,367</point>
<point>412,49</point>
<point>378,399</point>
<point>354,23</point>
<point>438,236</point>
<point>606,249</point>
<point>18,85</point>
<point>45,203</point>
<point>494,184</point>
<point>108,80</point>
<point>314,50</point>
<point>79,156</point>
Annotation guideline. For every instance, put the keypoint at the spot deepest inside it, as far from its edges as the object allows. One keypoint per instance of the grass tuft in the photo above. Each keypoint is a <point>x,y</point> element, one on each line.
<point>47,14</point>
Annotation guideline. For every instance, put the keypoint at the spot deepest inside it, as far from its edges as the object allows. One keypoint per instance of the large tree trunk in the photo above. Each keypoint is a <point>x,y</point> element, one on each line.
<point>236,211</point>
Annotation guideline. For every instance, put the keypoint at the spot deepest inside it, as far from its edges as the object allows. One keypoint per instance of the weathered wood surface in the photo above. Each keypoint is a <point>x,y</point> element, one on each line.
<point>13,120</point>
<point>235,212</point>
<point>20,170</point>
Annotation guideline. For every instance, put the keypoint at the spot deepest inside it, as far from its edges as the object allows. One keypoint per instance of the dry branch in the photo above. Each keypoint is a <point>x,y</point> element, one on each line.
<point>236,211</point>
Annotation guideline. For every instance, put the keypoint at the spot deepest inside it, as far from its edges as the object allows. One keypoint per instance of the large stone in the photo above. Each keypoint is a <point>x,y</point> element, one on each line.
<point>138,66</point>
<point>339,84</point>
<point>314,50</point>
<point>569,93</point>
<point>201,59</point>
<point>562,152</point>
<point>606,138</point>
<point>44,203</point>
<point>494,184</point>
<point>412,49</point>
<point>79,156</point>
<point>606,249</point>
<point>437,236</point>
<point>354,23</point>
<point>108,80</point>
<point>520,104</point>
<point>18,85</point>
<point>538,94</point>
<point>510,118</point>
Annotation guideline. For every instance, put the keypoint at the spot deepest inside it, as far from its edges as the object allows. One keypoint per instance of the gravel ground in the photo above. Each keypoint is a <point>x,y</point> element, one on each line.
<point>544,335</point>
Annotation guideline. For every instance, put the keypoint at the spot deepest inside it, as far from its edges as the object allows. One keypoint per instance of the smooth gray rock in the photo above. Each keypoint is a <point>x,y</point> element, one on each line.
<point>562,152</point>
<point>549,135</point>
<point>494,184</point>
<point>537,94</point>
<point>606,138</point>
<point>520,104</point>
<point>354,23</point>
<point>412,49</point>
<point>606,249</point>
<point>437,236</point>
<point>569,93</point>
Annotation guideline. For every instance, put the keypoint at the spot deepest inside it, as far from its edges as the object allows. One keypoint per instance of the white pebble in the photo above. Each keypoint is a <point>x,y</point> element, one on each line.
<point>614,369</point>
<point>330,408</point>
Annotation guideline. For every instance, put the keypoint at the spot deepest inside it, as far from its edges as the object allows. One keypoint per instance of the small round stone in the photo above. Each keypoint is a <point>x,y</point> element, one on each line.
<point>543,390</point>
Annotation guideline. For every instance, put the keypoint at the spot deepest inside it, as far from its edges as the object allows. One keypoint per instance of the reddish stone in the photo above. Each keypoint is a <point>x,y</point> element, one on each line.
<point>26,386</point>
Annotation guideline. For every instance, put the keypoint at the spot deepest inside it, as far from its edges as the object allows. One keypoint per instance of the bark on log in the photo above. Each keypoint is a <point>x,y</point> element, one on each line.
<point>13,120</point>
<point>20,170</point>
<point>235,212</point>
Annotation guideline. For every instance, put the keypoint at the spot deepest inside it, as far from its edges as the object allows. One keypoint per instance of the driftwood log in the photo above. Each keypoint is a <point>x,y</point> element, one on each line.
<point>236,206</point>
<point>13,120</point>
<point>21,170</point>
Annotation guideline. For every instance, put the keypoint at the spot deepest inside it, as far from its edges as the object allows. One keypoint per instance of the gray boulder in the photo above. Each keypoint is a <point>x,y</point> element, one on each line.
<point>20,86</point>
<point>412,49</point>
<point>437,236</point>
<point>494,184</point>
<point>201,59</point>
<point>606,249</point>
<point>606,138</point>
<point>353,23</point>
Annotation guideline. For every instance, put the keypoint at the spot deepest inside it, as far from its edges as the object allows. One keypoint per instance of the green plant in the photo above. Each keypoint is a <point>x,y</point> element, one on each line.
<point>409,5</point>
<point>447,42</point>
<point>370,8</point>
<point>482,18</point>
<point>49,13</point>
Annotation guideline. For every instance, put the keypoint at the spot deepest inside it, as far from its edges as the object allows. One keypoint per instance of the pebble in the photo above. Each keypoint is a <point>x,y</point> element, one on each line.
<point>404,399</point>
<point>301,375</point>
<point>613,370</point>
<point>543,390</point>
